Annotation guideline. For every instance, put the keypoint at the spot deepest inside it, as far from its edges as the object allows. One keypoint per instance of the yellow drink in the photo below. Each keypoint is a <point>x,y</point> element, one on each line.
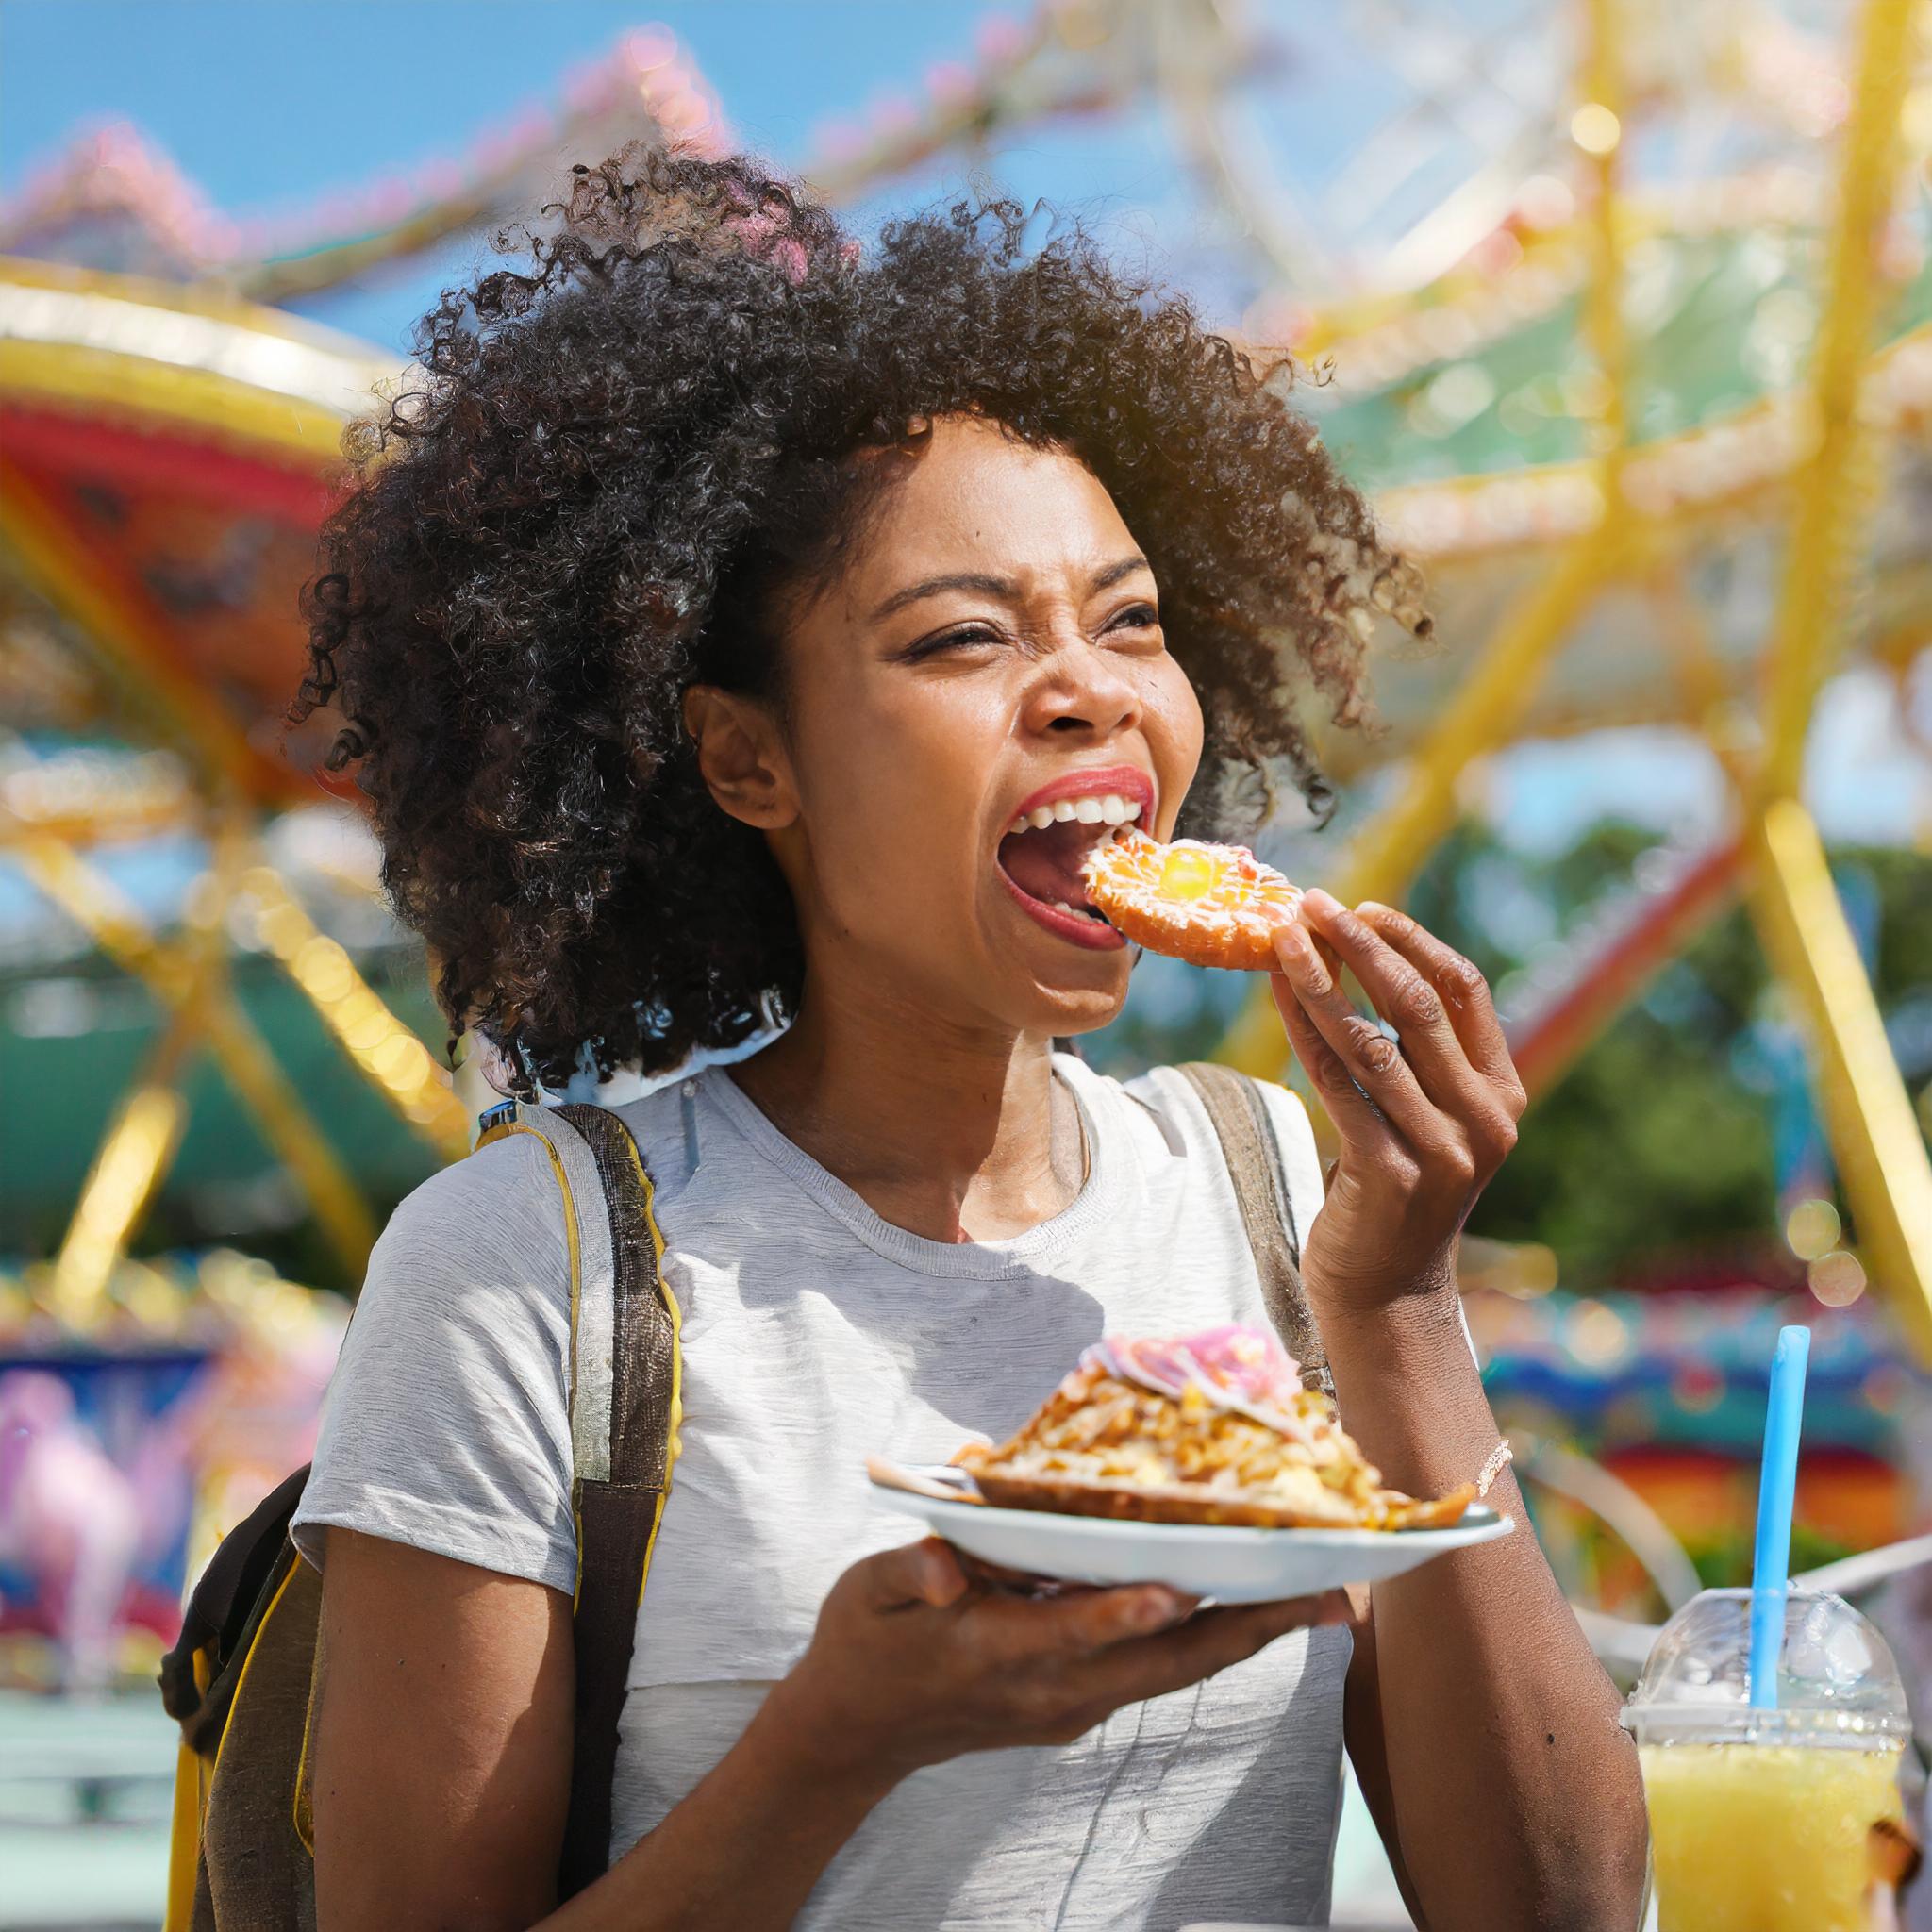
<point>1764,1838</point>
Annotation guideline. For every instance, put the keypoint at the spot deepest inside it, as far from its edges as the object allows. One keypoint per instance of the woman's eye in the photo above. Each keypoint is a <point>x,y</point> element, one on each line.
<point>964,636</point>
<point>1136,617</point>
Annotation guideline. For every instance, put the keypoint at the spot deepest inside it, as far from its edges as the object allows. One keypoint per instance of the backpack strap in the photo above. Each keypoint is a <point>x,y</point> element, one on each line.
<point>1237,1111</point>
<point>624,1414</point>
<point>229,1600</point>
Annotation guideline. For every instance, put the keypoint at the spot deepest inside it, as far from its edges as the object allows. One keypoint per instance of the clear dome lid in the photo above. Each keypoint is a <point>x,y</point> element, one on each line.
<point>1837,1682</point>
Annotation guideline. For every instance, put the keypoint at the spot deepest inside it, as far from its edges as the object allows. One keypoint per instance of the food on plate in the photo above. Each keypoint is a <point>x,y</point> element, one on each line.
<point>1209,905</point>
<point>1212,1427</point>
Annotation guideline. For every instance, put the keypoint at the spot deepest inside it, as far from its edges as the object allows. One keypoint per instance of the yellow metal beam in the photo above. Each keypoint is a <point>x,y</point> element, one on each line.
<point>274,1101</point>
<point>1484,712</point>
<point>1868,1114</point>
<point>117,927</point>
<point>383,1050</point>
<point>145,1130</point>
<point>134,1156</point>
<point>1874,1136</point>
<point>1836,486</point>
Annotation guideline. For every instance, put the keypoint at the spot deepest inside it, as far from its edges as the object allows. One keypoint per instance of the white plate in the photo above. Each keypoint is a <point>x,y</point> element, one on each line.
<point>1233,1566</point>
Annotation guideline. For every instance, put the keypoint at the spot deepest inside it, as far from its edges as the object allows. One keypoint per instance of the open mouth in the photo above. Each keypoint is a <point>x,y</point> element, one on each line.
<point>1041,858</point>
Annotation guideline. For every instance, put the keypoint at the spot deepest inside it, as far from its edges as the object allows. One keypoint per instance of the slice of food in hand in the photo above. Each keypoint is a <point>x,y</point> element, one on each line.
<point>1213,1428</point>
<point>1209,905</point>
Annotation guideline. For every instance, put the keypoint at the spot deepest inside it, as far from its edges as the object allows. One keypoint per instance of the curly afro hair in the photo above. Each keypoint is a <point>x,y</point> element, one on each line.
<point>619,459</point>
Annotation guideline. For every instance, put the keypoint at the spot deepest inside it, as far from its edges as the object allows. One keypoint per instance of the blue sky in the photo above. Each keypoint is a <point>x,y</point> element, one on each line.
<point>270,104</point>
<point>268,101</point>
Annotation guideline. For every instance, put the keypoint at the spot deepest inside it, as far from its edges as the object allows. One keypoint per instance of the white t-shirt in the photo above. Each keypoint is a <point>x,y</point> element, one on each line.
<point>815,1333</point>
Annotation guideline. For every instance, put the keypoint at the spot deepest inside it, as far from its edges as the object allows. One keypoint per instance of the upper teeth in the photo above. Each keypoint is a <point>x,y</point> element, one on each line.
<point>1110,809</point>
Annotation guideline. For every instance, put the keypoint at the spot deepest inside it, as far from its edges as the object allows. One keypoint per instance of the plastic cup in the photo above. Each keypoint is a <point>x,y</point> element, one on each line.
<point>1760,1821</point>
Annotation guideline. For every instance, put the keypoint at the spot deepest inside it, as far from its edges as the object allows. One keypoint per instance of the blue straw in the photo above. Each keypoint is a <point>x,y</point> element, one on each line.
<point>1770,1566</point>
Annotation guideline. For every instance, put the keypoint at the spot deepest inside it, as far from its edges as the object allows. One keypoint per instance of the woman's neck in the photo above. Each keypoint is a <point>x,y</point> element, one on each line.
<point>947,1133</point>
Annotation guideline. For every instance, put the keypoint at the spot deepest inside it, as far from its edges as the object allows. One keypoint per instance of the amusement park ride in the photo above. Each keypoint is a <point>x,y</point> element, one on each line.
<point>1651,403</point>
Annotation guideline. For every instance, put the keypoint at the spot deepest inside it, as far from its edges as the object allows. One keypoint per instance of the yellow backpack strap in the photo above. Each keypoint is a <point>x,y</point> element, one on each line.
<point>184,1837</point>
<point>626,1410</point>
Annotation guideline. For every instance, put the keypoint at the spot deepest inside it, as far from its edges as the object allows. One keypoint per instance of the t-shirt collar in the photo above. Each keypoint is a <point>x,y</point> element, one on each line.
<point>1021,1254</point>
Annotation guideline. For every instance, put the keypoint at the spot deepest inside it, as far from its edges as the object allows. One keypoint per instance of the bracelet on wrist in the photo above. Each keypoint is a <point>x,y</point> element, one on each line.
<point>1493,1465</point>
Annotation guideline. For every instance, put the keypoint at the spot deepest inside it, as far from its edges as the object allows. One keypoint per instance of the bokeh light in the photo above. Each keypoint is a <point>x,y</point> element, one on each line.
<point>1599,1337</point>
<point>1837,1279</point>
<point>1812,1229</point>
<point>1595,130</point>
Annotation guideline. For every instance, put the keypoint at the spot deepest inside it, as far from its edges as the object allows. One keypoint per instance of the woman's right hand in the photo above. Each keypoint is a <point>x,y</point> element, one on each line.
<point>913,1663</point>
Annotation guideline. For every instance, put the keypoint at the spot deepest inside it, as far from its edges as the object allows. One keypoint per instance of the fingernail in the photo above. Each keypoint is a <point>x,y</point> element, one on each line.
<point>1320,902</point>
<point>1373,908</point>
<point>1299,959</point>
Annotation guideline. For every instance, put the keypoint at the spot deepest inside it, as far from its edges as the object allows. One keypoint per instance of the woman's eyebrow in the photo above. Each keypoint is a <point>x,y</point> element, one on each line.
<point>1114,572</point>
<point>933,586</point>
<point>996,587</point>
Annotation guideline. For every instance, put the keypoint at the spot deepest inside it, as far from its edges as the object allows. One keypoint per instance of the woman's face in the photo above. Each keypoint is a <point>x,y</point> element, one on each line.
<point>991,654</point>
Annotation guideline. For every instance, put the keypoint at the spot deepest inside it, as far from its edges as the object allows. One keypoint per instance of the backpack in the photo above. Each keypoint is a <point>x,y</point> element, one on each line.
<point>241,1680</point>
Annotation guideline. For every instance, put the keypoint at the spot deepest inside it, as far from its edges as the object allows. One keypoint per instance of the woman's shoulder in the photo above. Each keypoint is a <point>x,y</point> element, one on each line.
<point>447,1423</point>
<point>502,1198</point>
<point>482,1242</point>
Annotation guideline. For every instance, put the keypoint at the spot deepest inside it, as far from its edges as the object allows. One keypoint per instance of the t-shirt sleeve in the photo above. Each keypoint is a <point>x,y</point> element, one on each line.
<point>1302,1163</point>
<point>446,1425</point>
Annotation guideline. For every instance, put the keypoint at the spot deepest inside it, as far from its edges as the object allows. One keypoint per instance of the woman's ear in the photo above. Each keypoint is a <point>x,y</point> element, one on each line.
<point>741,757</point>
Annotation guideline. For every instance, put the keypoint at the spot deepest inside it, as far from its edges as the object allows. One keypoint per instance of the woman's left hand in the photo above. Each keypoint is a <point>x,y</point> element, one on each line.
<point>1424,1123</point>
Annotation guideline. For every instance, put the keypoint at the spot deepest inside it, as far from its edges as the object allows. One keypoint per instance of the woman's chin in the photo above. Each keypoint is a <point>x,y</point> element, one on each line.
<point>1087,1016</point>
<point>1082,993</point>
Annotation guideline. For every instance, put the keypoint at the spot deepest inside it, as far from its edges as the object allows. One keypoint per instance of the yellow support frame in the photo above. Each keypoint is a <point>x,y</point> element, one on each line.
<point>390,1057</point>
<point>386,1052</point>
<point>1835,487</point>
<point>145,1131</point>
<point>1492,699</point>
<point>134,1155</point>
<point>1874,1135</point>
<point>117,927</point>
<point>1483,712</point>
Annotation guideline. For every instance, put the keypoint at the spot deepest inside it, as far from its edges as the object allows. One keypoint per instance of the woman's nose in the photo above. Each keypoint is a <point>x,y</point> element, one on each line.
<point>1083,689</point>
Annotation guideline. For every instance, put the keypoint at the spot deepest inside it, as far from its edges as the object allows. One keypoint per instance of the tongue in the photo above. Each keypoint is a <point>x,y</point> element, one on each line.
<point>1046,864</point>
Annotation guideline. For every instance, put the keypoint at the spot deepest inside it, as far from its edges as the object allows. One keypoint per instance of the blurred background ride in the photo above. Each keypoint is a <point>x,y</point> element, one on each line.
<point>1623,312</point>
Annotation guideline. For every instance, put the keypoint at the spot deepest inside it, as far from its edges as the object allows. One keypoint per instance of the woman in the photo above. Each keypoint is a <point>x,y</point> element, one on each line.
<point>721,603</point>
